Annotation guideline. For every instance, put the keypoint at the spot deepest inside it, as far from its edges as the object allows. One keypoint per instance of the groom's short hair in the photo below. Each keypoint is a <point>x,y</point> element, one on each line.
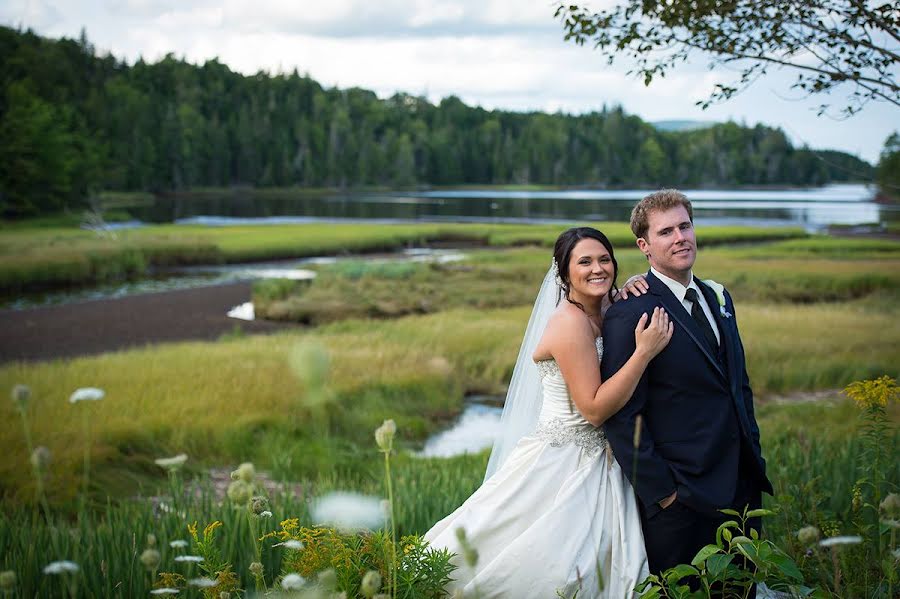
<point>664,199</point>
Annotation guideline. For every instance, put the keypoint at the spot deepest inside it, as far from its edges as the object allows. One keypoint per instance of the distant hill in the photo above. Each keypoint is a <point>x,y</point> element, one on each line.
<point>73,123</point>
<point>682,125</point>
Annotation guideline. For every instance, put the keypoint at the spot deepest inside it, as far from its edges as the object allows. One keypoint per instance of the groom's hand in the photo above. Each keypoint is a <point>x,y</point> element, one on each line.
<point>668,500</point>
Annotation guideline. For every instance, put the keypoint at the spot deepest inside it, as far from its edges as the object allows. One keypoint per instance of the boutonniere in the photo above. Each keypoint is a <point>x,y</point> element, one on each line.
<point>719,290</point>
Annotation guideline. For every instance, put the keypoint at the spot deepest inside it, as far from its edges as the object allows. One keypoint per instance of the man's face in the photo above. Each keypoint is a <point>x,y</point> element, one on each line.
<point>669,244</point>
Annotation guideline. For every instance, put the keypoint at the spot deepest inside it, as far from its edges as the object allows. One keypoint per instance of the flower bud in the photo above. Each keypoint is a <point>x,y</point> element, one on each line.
<point>371,583</point>
<point>240,492</point>
<point>20,395</point>
<point>328,578</point>
<point>891,504</point>
<point>151,540</point>
<point>245,472</point>
<point>808,535</point>
<point>150,558</point>
<point>258,505</point>
<point>384,435</point>
<point>256,569</point>
<point>40,458</point>
<point>7,579</point>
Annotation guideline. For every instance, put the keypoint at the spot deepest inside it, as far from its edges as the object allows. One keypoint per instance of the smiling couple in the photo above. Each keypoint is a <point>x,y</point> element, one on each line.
<point>628,424</point>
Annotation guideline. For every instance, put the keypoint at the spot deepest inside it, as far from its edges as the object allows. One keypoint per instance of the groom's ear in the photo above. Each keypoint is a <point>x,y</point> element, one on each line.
<point>643,246</point>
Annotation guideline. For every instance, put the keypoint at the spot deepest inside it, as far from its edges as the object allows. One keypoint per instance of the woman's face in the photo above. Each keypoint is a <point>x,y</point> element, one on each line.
<point>590,270</point>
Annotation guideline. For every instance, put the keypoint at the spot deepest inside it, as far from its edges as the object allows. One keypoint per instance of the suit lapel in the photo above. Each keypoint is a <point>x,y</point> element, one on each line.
<point>725,331</point>
<point>679,314</point>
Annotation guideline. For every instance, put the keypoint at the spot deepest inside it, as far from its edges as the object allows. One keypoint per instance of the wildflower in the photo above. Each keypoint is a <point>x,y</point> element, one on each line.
<point>178,544</point>
<point>347,511</point>
<point>292,582</point>
<point>150,558</point>
<point>371,583</point>
<point>266,514</point>
<point>327,578</point>
<point>843,540</point>
<point>202,582</point>
<point>890,505</point>
<point>173,463</point>
<point>188,558</point>
<point>20,395</point>
<point>384,435</point>
<point>290,544</point>
<point>151,540</point>
<point>240,492</point>
<point>857,501</point>
<point>256,569</point>
<point>7,579</point>
<point>164,591</point>
<point>40,458</point>
<point>61,567</point>
<point>808,535</point>
<point>87,394</point>
<point>245,472</point>
<point>872,393</point>
<point>259,505</point>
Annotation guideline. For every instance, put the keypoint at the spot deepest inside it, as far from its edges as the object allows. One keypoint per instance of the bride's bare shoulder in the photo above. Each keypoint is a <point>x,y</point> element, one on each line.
<point>567,322</point>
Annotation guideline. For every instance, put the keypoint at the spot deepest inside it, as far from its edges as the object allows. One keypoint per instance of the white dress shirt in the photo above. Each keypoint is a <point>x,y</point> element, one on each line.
<point>680,291</point>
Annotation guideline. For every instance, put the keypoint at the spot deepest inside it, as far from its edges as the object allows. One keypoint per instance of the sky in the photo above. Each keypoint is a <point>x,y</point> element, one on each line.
<point>498,54</point>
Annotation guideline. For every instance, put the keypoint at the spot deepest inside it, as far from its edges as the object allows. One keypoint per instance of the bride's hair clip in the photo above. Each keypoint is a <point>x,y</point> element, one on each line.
<point>555,268</point>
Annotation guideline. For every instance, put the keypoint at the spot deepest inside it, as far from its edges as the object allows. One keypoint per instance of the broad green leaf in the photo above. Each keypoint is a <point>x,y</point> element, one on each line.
<point>717,564</point>
<point>703,554</point>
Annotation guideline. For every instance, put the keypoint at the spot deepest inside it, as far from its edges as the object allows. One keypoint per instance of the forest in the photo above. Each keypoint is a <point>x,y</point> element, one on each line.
<point>74,122</point>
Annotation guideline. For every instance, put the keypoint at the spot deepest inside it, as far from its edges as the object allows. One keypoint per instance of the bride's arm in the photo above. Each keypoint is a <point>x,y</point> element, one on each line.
<point>572,344</point>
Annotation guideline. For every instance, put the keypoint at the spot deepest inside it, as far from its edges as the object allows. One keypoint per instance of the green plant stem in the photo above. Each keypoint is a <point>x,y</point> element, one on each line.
<point>390,492</point>
<point>86,420</point>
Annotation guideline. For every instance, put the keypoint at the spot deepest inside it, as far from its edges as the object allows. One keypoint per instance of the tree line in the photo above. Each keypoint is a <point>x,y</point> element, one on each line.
<point>73,122</point>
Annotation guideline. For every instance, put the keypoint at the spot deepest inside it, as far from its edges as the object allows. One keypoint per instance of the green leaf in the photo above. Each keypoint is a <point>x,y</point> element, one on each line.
<point>673,575</point>
<point>704,553</point>
<point>731,513</point>
<point>758,513</point>
<point>787,566</point>
<point>717,564</point>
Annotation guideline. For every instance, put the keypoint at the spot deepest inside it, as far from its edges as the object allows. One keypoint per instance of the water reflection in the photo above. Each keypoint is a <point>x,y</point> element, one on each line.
<point>475,430</point>
<point>813,208</point>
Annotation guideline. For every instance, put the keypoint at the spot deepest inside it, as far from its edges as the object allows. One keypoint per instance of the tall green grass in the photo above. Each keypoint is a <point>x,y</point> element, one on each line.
<point>45,256</point>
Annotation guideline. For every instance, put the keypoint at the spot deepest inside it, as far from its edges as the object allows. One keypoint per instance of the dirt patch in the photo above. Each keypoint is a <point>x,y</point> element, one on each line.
<point>98,326</point>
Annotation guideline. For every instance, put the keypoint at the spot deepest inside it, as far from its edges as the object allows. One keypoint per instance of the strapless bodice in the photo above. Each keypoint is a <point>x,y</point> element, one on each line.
<point>559,421</point>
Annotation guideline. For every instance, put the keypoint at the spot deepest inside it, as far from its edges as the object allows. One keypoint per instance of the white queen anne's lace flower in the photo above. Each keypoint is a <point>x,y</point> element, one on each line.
<point>87,394</point>
<point>173,463</point>
<point>844,540</point>
<point>292,582</point>
<point>164,591</point>
<point>178,544</point>
<point>189,558</point>
<point>60,567</point>
<point>290,544</point>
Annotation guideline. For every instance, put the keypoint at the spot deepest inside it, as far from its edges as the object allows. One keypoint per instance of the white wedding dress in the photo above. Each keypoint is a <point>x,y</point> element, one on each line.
<point>559,516</point>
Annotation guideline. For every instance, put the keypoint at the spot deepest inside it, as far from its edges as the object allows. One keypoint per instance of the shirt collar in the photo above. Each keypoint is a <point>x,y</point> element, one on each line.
<point>678,290</point>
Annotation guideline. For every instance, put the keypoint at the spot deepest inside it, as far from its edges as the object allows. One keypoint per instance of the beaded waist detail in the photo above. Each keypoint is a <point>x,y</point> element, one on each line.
<point>559,433</point>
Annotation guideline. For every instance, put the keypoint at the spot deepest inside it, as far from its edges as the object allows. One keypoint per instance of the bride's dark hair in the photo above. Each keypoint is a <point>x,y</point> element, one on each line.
<point>562,253</point>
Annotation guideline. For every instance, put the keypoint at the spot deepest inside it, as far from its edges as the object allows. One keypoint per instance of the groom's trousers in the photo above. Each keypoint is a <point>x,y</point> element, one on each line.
<point>674,535</point>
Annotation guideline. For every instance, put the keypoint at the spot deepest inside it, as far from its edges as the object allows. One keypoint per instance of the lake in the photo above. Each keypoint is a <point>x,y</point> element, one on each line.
<point>813,209</point>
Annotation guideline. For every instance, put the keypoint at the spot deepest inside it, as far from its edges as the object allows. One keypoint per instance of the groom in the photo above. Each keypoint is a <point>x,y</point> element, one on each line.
<point>698,445</point>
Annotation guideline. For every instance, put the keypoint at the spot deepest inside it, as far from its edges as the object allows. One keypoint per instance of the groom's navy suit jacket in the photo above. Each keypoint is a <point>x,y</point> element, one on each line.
<point>698,433</point>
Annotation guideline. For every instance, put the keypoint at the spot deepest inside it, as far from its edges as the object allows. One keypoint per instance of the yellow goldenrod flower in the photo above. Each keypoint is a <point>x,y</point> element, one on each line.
<point>872,393</point>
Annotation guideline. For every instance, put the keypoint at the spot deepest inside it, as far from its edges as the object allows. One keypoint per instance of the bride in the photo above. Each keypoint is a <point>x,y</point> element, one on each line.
<point>556,515</point>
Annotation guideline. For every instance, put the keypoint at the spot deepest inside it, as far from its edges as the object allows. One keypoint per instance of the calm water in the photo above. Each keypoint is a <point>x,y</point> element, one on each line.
<point>810,208</point>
